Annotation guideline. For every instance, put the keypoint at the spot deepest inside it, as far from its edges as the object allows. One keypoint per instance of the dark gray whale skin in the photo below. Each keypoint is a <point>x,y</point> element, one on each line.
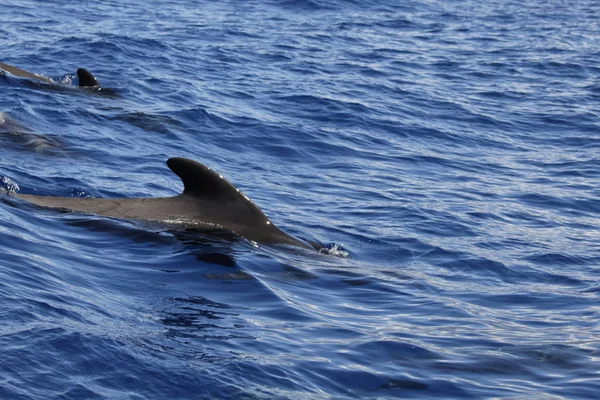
<point>208,201</point>
<point>86,79</point>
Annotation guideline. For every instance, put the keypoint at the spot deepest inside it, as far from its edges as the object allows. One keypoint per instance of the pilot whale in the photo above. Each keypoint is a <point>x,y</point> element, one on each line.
<point>14,133</point>
<point>86,79</point>
<point>208,201</point>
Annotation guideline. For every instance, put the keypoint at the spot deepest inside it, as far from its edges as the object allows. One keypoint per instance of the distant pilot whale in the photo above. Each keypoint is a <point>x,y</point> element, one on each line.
<point>86,79</point>
<point>208,201</point>
<point>14,133</point>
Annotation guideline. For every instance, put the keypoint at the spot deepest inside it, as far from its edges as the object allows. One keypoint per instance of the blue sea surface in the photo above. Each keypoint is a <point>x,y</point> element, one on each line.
<point>446,153</point>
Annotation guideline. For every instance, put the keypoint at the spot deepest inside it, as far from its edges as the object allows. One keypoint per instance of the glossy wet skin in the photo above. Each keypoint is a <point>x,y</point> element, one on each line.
<point>86,79</point>
<point>209,201</point>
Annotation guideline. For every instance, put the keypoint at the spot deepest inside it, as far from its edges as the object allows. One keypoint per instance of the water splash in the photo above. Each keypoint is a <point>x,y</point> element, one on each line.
<point>335,250</point>
<point>8,185</point>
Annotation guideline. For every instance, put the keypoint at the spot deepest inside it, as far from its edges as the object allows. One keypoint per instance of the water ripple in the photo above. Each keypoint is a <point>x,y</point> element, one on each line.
<point>445,154</point>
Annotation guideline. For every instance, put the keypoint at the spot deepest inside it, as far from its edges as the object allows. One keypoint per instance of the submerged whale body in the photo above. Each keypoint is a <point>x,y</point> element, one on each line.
<point>208,201</point>
<point>86,79</point>
<point>13,133</point>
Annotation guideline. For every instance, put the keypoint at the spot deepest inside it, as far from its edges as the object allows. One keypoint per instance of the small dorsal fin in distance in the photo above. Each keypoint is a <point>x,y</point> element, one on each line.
<point>201,181</point>
<point>86,79</point>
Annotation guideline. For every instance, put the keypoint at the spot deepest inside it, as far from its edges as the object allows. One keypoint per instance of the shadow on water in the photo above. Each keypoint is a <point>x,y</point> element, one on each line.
<point>200,318</point>
<point>214,300</point>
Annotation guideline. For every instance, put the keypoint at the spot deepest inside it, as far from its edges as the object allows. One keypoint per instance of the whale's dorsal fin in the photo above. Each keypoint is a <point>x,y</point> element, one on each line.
<point>208,201</point>
<point>201,181</point>
<point>86,79</point>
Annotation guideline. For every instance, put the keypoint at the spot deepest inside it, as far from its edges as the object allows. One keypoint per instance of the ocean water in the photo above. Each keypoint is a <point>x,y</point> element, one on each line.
<point>447,155</point>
